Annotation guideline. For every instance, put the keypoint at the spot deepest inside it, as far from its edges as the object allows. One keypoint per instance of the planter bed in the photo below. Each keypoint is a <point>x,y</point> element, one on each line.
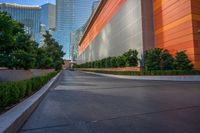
<point>12,93</point>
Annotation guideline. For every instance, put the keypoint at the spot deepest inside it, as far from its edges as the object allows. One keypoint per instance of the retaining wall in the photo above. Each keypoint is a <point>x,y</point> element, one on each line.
<point>15,75</point>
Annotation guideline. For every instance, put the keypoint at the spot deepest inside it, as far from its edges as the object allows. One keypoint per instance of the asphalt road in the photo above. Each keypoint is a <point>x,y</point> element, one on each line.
<point>86,103</point>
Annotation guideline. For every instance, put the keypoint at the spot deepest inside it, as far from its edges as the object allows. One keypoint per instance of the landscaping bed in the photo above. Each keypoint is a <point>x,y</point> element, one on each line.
<point>12,93</point>
<point>148,73</point>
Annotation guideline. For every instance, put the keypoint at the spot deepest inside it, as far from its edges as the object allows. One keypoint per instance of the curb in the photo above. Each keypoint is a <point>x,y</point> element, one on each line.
<point>12,120</point>
<point>156,78</point>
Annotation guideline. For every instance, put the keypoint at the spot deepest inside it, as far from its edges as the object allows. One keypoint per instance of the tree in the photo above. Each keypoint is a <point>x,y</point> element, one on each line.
<point>42,60</point>
<point>17,50</point>
<point>22,59</point>
<point>182,62</point>
<point>53,51</point>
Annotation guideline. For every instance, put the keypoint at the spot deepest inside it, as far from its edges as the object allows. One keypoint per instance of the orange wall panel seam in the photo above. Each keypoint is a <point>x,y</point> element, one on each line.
<point>174,24</point>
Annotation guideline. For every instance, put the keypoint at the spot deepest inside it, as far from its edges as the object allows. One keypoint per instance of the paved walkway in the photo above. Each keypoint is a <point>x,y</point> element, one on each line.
<point>86,103</point>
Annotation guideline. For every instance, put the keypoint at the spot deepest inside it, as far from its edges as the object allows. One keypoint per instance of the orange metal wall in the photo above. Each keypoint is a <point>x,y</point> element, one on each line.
<point>173,26</point>
<point>108,11</point>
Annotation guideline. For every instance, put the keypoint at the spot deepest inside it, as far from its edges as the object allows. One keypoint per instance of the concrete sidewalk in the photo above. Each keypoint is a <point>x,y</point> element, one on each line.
<point>87,103</point>
<point>158,78</point>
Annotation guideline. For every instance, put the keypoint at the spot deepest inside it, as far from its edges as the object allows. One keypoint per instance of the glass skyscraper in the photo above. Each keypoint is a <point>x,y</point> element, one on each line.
<point>48,16</point>
<point>70,15</point>
<point>27,15</point>
<point>94,5</point>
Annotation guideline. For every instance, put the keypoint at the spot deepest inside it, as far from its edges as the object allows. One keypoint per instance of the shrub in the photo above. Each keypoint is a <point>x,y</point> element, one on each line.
<point>167,60</point>
<point>158,59</point>
<point>131,58</point>
<point>113,62</point>
<point>121,61</point>
<point>13,92</point>
<point>152,59</point>
<point>182,61</point>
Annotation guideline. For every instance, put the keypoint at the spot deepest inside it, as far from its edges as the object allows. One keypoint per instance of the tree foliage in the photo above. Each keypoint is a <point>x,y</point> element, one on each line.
<point>182,61</point>
<point>54,53</point>
<point>161,59</point>
<point>19,51</point>
<point>152,59</point>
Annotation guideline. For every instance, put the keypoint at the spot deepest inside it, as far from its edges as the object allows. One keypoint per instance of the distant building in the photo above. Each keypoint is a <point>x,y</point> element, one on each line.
<point>70,15</point>
<point>94,5</point>
<point>48,16</point>
<point>74,41</point>
<point>67,64</point>
<point>120,25</point>
<point>48,19</point>
<point>27,15</point>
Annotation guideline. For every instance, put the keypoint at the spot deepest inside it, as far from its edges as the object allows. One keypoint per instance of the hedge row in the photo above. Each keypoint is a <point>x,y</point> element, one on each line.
<point>129,58</point>
<point>161,59</point>
<point>13,92</point>
<point>154,59</point>
<point>158,72</point>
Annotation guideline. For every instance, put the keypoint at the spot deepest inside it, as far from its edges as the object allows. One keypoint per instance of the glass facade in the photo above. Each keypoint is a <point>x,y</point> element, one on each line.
<point>28,15</point>
<point>70,15</point>
<point>74,41</point>
<point>94,5</point>
<point>48,16</point>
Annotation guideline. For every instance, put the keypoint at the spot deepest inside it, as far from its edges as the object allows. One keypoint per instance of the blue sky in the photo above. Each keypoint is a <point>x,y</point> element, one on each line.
<point>28,2</point>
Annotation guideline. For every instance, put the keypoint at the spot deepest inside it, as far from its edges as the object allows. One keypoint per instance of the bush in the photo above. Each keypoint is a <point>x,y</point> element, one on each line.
<point>182,61</point>
<point>114,62</point>
<point>167,60</point>
<point>121,61</point>
<point>13,92</point>
<point>131,58</point>
<point>152,59</point>
<point>161,59</point>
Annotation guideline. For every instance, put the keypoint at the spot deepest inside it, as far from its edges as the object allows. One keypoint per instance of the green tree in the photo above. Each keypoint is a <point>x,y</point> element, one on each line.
<point>182,62</point>
<point>42,60</point>
<point>53,51</point>
<point>17,50</point>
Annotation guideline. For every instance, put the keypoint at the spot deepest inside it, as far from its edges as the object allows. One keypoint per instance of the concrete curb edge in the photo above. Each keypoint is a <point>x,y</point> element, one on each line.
<point>12,120</point>
<point>158,78</point>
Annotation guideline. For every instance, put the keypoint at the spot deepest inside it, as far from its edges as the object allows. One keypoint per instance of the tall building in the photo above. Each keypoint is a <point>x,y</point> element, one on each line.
<point>48,20</point>
<point>115,27</point>
<point>70,15</point>
<point>74,41</point>
<point>177,27</point>
<point>94,5</point>
<point>27,15</point>
<point>48,16</point>
<point>142,24</point>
